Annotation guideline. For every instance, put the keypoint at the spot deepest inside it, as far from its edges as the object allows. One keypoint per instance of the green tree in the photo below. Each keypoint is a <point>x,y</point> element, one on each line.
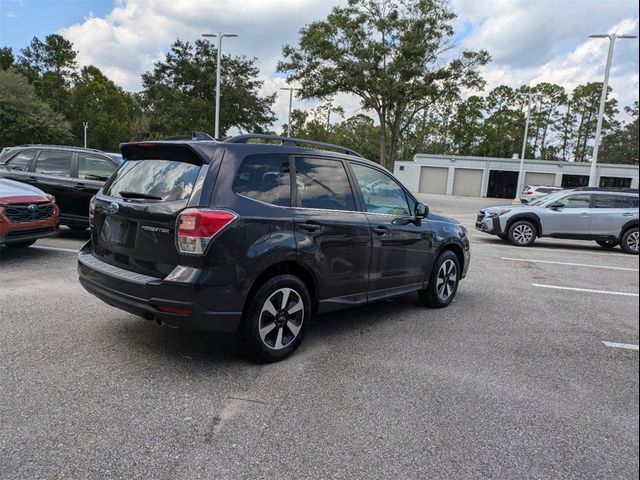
<point>6,58</point>
<point>51,66</point>
<point>621,144</point>
<point>585,103</point>
<point>24,117</point>
<point>179,92</point>
<point>387,52</point>
<point>99,101</point>
<point>468,126</point>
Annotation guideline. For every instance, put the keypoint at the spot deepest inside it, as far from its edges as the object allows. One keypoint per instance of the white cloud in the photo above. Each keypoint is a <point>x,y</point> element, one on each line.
<point>530,41</point>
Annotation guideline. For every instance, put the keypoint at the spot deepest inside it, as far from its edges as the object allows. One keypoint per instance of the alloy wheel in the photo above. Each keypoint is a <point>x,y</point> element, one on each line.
<point>446,279</point>
<point>523,234</point>
<point>281,318</point>
<point>632,241</point>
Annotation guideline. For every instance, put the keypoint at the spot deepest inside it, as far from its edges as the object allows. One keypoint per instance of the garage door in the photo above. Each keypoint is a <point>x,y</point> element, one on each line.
<point>467,182</point>
<point>433,180</point>
<point>533,178</point>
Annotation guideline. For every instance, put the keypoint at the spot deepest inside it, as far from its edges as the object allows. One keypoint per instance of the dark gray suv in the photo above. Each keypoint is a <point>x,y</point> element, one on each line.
<point>608,216</point>
<point>254,238</point>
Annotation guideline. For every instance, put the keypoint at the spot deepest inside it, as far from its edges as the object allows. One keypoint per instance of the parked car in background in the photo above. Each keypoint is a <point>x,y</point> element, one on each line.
<point>608,216</point>
<point>72,174</point>
<point>258,242</point>
<point>531,193</point>
<point>26,214</point>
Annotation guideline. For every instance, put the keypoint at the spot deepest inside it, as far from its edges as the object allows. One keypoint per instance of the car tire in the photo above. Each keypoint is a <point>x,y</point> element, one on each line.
<point>629,241</point>
<point>443,282</point>
<point>276,319</point>
<point>608,244</point>
<point>23,244</point>
<point>522,233</point>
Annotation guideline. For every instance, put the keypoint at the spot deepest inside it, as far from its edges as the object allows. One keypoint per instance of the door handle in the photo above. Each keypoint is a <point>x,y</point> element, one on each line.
<point>31,179</point>
<point>380,230</point>
<point>628,214</point>
<point>309,226</point>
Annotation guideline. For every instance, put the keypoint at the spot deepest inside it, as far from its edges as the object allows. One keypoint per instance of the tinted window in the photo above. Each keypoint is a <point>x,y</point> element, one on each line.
<point>634,201</point>
<point>22,160</point>
<point>323,184</point>
<point>265,178</point>
<point>381,193</point>
<point>612,201</point>
<point>55,163</point>
<point>92,167</point>
<point>575,201</point>
<point>166,179</point>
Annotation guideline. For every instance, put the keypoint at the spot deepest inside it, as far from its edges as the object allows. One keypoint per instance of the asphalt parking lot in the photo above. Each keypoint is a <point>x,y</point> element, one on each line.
<point>513,380</point>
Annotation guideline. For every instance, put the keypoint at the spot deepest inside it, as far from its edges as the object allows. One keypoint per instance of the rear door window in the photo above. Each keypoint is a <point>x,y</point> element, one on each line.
<point>323,183</point>
<point>161,180</point>
<point>55,163</point>
<point>93,167</point>
<point>612,201</point>
<point>22,161</point>
<point>265,178</point>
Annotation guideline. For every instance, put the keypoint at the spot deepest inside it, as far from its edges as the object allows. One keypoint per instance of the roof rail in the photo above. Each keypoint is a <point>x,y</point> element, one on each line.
<point>607,189</point>
<point>300,142</point>
<point>56,146</point>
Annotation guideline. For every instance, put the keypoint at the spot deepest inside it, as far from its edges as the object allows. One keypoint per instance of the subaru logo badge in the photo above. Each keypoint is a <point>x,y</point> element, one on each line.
<point>112,209</point>
<point>33,208</point>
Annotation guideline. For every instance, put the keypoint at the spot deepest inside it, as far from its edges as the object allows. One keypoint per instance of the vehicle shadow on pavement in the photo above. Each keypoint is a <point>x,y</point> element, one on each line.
<point>551,245</point>
<point>14,255</point>
<point>69,234</point>
<point>211,348</point>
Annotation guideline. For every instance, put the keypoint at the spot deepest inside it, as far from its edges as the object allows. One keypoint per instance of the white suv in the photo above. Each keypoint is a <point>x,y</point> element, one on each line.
<point>535,192</point>
<point>608,216</point>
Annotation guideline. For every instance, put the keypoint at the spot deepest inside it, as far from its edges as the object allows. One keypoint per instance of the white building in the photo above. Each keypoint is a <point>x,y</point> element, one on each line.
<point>498,177</point>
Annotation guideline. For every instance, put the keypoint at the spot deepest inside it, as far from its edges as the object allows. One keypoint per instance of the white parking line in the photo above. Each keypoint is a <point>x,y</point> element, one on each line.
<point>569,264</point>
<point>57,249</point>
<point>628,346</point>
<point>549,247</point>
<point>556,287</point>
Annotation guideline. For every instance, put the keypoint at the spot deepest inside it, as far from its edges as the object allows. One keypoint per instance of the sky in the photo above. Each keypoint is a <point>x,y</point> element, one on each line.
<point>530,41</point>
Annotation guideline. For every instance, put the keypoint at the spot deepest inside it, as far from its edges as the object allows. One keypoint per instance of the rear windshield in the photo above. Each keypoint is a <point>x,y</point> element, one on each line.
<point>166,180</point>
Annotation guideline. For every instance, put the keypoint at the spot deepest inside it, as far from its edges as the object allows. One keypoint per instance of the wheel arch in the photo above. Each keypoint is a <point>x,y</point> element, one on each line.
<point>456,249</point>
<point>285,268</point>
<point>532,217</point>
<point>630,224</point>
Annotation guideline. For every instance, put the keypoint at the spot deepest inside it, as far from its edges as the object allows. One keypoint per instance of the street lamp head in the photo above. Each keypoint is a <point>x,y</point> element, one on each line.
<point>209,35</point>
<point>627,36</point>
<point>600,35</point>
<point>229,35</point>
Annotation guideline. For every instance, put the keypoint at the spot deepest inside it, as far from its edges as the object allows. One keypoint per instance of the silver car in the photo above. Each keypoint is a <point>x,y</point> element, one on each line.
<point>608,216</point>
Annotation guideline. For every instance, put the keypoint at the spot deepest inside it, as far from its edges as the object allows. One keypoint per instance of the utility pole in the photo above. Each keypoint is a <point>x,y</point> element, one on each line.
<point>519,185</point>
<point>85,125</point>
<point>291,90</point>
<point>593,181</point>
<point>219,36</point>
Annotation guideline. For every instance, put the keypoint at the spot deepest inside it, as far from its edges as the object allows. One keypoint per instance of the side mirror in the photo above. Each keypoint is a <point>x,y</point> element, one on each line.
<point>421,211</point>
<point>556,206</point>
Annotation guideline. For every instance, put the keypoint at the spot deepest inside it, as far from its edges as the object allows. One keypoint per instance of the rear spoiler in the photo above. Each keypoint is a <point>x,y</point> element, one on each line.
<point>189,152</point>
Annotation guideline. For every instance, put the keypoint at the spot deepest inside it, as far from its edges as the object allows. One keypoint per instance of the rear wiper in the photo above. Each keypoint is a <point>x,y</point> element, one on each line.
<point>139,195</point>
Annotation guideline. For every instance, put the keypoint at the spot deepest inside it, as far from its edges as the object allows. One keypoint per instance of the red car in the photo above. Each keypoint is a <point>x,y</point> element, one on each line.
<point>26,214</point>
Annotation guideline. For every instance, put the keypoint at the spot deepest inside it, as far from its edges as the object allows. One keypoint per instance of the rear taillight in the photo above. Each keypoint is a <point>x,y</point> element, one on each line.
<point>92,209</point>
<point>196,228</point>
<point>530,192</point>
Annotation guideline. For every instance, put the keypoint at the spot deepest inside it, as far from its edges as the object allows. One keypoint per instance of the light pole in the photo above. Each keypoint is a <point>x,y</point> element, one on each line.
<point>219,36</point>
<point>603,100</point>
<point>291,90</point>
<point>519,185</point>
<point>85,125</point>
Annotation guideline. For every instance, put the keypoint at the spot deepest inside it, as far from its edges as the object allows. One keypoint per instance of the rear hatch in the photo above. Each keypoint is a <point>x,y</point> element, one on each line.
<point>134,216</point>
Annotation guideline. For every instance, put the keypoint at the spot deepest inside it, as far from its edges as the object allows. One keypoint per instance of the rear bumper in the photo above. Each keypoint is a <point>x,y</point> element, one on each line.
<point>146,296</point>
